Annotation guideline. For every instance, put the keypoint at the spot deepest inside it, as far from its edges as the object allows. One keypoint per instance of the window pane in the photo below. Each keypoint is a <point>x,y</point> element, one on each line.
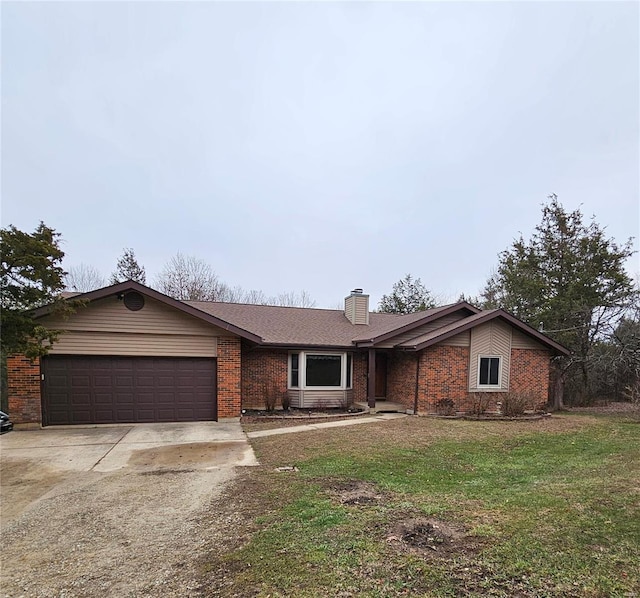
<point>484,370</point>
<point>489,367</point>
<point>348,370</point>
<point>493,371</point>
<point>294,370</point>
<point>323,370</point>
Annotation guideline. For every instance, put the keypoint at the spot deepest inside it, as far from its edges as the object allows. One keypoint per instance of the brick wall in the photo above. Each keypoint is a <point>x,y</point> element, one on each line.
<point>444,374</point>
<point>401,378</point>
<point>359,381</point>
<point>23,379</point>
<point>261,371</point>
<point>229,377</point>
<point>530,374</point>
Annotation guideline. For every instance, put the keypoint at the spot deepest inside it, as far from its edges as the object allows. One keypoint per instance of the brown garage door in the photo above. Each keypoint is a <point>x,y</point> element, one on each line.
<point>103,390</point>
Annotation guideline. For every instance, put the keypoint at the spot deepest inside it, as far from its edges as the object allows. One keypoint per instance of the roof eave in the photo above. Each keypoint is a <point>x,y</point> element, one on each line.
<point>419,322</point>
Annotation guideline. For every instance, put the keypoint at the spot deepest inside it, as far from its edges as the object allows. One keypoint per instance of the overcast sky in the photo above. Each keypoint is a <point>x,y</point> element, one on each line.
<point>318,146</point>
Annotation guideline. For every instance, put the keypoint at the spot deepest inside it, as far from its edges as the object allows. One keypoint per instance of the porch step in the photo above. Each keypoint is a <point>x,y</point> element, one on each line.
<point>384,407</point>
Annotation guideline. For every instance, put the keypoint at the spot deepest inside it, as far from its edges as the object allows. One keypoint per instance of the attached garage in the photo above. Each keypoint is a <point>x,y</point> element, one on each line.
<point>108,389</point>
<point>129,354</point>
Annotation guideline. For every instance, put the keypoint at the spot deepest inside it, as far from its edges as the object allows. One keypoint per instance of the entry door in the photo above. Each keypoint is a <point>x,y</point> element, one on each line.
<point>381,375</point>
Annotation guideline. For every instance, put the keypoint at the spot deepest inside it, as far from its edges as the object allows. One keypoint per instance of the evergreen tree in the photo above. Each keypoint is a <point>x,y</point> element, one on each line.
<point>128,269</point>
<point>409,295</point>
<point>569,280</point>
<point>31,276</point>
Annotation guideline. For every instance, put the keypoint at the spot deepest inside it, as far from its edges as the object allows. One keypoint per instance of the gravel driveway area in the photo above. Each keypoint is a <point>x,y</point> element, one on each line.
<point>70,529</point>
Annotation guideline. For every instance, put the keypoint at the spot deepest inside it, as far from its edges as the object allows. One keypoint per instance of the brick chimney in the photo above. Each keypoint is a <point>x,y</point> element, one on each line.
<point>356,307</point>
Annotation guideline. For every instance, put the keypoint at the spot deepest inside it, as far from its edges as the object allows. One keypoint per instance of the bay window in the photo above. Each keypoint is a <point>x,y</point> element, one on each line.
<point>320,370</point>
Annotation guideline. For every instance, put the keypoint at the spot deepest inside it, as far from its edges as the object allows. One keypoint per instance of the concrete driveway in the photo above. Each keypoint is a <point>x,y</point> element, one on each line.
<point>114,510</point>
<point>109,448</point>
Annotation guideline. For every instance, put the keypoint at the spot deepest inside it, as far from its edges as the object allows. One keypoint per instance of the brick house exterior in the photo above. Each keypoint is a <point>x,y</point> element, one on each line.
<point>154,358</point>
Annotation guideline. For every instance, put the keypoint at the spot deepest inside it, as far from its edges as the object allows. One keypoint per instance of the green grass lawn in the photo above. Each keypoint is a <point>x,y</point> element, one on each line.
<point>548,508</point>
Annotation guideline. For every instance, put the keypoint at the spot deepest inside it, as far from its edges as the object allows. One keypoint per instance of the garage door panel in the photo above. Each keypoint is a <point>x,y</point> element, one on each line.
<point>99,389</point>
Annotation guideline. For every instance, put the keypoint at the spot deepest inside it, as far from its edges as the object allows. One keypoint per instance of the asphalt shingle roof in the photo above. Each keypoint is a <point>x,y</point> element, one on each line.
<point>306,326</point>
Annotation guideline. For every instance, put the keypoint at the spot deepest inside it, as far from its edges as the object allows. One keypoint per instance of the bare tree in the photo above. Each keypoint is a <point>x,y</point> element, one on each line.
<point>254,297</point>
<point>189,278</point>
<point>83,278</point>
<point>294,299</point>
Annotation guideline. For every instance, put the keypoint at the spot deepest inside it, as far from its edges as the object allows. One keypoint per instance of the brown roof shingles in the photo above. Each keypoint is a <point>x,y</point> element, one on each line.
<point>304,326</point>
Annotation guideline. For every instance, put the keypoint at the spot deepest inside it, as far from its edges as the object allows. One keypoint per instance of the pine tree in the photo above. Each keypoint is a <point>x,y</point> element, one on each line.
<point>569,280</point>
<point>409,295</point>
<point>128,269</point>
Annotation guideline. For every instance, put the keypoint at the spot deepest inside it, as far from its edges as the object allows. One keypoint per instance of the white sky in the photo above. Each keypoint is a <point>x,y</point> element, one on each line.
<point>318,146</point>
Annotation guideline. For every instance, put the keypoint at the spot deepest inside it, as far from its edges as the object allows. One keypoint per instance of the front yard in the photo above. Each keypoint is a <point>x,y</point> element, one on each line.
<point>424,507</point>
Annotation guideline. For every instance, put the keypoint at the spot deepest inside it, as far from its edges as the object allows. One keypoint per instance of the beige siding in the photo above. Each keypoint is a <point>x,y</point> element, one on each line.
<point>294,398</point>
<point>420,330</point>
<point>308,399</point>
<point>107,327</point>
<point>128,343</point>
<point>459,340</point>
<point>491,339</point>
<point>356,308</point>
<point>523,341</point>
<point>110,315</point>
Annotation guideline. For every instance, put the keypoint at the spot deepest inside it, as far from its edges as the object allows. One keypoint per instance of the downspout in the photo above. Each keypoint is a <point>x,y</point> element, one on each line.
<point>415,400</point>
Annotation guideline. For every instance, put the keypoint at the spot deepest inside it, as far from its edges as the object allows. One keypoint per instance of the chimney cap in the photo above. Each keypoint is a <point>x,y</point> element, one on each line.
<point>357,292</point>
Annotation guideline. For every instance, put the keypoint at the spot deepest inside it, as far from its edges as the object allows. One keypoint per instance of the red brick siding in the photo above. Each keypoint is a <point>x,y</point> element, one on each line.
<point>530,374</point>
<point>444,373</point>
<point>359,380</point>
<point>23,379</point>
<point>401,378</point>
<point>229,377</point>
<point>262,371</point>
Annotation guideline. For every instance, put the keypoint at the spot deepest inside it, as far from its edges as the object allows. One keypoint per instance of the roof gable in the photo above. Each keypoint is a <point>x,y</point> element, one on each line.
<point>411,321</point>
<point>436,336</point>
<point>131,285</point>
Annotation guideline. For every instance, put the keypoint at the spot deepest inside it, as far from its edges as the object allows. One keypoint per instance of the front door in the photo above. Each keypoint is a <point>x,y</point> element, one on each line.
<point>381,376</point>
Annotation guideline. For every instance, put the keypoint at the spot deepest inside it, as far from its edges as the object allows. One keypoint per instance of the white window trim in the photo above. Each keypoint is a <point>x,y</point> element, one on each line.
<point>302,371</point>
<point>490,386</point>
<point>290,371</point>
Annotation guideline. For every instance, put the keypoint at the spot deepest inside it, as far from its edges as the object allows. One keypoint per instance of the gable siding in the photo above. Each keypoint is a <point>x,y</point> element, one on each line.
<point>107,327</point>
<point>420,330</point>
<point>520,340</point>
<point>492,338</point>
<point>110,315</point>
<point>459,340</point>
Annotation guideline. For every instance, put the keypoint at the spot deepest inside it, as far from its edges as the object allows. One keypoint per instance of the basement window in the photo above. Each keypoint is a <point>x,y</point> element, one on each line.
<point>489,371</point>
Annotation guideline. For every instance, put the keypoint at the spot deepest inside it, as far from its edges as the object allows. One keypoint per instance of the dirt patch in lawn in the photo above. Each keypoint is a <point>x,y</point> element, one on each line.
<point>428,535</point>
<point>355,492</point>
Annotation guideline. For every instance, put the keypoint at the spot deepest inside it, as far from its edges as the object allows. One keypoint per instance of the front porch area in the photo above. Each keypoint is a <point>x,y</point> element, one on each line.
<point>383,406</point>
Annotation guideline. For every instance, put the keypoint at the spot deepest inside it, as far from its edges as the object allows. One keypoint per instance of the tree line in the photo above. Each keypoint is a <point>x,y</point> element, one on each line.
<point>183,277</point>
